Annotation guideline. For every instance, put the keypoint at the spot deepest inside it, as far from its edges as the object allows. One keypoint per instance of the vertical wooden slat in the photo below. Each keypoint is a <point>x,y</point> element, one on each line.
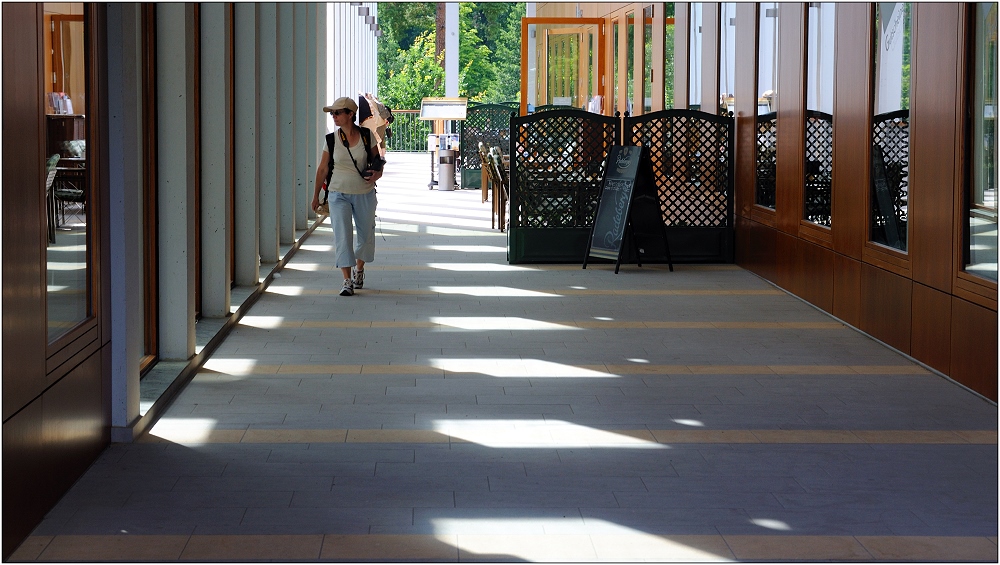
<point>791,112</point>
<point>682,50</point>
<point>24,235</point>
<point>934,125</point>
<point>852,128</point>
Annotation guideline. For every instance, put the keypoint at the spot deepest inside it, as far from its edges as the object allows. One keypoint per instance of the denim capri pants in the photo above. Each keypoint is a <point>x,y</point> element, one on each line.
<point>362,208</point>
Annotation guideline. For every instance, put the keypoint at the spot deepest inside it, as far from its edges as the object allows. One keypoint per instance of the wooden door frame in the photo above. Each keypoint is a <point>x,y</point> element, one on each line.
<point>525,22</point>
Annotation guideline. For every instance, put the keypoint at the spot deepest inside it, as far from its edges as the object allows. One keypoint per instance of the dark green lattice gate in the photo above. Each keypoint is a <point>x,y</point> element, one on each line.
<point>557,168</point>
<point>558,161</point>
<point>692,160</point>
<point>486,123</point>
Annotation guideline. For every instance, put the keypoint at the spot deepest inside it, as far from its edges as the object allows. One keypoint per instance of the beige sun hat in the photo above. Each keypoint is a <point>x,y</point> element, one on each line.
<point>342,103</point>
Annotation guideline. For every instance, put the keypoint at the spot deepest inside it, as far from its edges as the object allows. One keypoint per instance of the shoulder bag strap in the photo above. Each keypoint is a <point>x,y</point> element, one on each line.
<point>343,138</point>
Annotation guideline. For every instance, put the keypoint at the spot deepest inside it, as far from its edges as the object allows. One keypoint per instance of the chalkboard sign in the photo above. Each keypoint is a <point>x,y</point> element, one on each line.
<point>627,197</point>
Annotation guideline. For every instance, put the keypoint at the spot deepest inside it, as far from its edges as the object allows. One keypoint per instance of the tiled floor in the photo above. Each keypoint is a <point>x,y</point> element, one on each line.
<point>462,409</point>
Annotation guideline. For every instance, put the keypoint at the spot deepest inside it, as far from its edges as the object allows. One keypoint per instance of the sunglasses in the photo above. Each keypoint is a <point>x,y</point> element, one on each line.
<point>339,112</point>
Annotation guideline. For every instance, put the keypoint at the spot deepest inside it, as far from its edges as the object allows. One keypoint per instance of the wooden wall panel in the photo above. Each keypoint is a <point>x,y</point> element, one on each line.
<point>791,107</point>
<point>813,274</point>
<point>784,260</point>
<point>974,347</point>
<point>756,244</point>
<point>74,428</point>
<point>23,506</point>
<point>885,306</point>
<point>852,128</point>
<point>847,289</point>
<point>931,338</point>
<point>934,141</point>
<point>24,322</point>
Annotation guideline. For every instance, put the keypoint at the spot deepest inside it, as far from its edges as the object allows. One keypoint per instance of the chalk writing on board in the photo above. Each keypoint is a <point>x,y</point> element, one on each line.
<point>620,189</point>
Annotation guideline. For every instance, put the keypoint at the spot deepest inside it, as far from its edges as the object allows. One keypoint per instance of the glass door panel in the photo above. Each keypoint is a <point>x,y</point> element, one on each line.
<point>564,59</point>
<point>695,57</point>
<point>67,180</point>
<point>820,30</point>
<point>891,125</point>
<point>981,224</point>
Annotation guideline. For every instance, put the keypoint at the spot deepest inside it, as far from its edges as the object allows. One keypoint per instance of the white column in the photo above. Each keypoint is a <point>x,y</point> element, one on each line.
<point>125,214</point>
<point>246,175</point>
<point>303,184</point>
<point>175,96</point>
<point>270,204</point>
<point>451,49</point>
<point>312,105</point>
<point>322,18</point>
<point>286,120</point>
<point>216,177</point>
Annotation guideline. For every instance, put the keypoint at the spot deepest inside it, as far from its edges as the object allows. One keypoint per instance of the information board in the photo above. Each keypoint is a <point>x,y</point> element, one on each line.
<point>443,108</point>
<point>628,209</point>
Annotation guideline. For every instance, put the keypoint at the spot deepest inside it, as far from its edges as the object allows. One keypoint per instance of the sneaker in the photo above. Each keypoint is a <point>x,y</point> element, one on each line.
<point>358,277</point>
<point>348,289</point>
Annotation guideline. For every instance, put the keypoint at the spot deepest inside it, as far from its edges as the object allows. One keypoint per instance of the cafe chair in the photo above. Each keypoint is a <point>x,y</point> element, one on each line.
<point>50,201</point>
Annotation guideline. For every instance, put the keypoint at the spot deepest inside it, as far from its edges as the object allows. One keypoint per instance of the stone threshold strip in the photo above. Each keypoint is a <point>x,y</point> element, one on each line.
<point>505,547</point>
<point>514,323</point>
<point>556,435</point>
<point>528,368</point>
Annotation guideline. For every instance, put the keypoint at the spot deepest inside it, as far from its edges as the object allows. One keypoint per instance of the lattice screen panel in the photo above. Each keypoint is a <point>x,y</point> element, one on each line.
<point>819,167</point>
<point>691,155</point>
<point>557,167</point>
<point>488,123</point>
<point>767,145</point>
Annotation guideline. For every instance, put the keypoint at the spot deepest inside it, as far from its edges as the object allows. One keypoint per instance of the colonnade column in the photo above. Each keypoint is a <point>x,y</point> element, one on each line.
<point>246,146</point>
<point>216,155</point>
<point>287,177</point>
<point>303,184</point>
<point>269,194</point>
<point>125,215</point>
<point>175,103</point>
<point>322,60</point>
<point>312,109</point>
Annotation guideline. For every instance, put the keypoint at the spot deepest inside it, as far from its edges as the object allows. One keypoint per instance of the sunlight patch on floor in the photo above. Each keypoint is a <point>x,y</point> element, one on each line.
<point>236,367</point>
<point>497,323</point>
<point>469,248</point>
<point>485,291</point>
<point>514,434</point>
<point>264,322</point>
<point>286,290</point>
<point>478,267</point>
<point>535,368</point>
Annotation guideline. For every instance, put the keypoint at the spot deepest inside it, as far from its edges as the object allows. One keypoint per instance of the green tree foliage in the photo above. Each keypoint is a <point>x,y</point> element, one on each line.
<point>489,52</point>
<point>415,75</point>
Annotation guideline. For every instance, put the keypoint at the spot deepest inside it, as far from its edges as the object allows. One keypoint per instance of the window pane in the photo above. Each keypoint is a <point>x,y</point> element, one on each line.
<point>647,81</point>
<point>67,189</point>
<point>820,22</point>
<point>727,58</point>
<point>695,58</point>
<point>981,255</point>
<point>630,62</point>
<point>614,78</point>
<point>890,168</point>
<point>668,56</point>
<point>767,103</point>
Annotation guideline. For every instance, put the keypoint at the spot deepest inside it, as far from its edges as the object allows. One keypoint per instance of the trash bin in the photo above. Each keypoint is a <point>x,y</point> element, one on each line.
<point>446,169</point>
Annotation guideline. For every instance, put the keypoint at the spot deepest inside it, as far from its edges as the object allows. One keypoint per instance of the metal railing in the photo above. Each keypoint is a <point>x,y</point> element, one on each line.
<point>409,133</point>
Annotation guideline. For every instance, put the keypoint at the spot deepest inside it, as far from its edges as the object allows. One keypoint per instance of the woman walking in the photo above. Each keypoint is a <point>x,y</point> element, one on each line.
<point>349,168</point>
